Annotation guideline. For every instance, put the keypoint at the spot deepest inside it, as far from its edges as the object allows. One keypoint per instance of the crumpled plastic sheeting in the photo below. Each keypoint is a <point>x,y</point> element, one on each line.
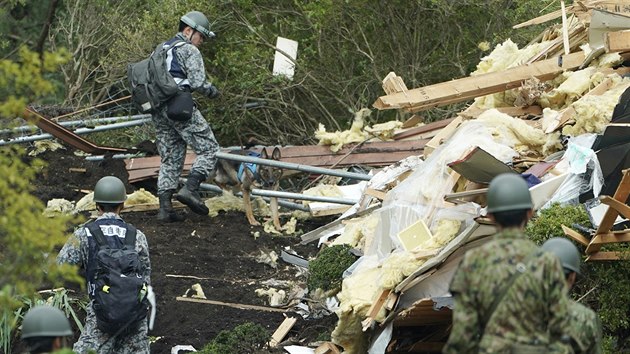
<point>515,133</point>
<point>593,113</point>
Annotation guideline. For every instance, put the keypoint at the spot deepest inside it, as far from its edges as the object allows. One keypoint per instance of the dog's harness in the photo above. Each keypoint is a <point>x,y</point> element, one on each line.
<point>252,167</point>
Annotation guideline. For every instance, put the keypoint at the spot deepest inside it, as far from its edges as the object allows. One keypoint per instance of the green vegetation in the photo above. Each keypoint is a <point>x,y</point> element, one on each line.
<point>244,338</point>
<point>326,271</point>
<point>603,286</point>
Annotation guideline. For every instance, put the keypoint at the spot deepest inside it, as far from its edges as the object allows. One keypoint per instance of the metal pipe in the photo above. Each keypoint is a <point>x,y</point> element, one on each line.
<point>79,131</point>
<point>293,166</point>
<point>115,156</point>
<point>314,198</point>
<point>284,203</point>
<point>75,123</point>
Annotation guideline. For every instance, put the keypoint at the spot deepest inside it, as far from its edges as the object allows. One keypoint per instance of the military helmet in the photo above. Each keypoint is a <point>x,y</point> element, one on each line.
<point>566,251</point>
<point>109,190</point>
<point>199,22</point>
<point>45,321</point>
<point>507,192</point>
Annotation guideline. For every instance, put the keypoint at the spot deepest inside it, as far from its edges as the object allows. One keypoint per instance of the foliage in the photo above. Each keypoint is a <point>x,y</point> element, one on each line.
<point>244,338</point>
<point>604,286</point>
<point>326,271</point>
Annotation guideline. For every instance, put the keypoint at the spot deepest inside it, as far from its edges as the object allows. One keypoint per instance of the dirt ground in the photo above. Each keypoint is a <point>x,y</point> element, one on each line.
<point>220,251</point>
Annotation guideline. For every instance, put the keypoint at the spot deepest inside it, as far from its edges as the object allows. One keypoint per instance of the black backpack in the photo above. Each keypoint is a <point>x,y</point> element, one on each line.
<point>151,83</point>
<point>120,293</point>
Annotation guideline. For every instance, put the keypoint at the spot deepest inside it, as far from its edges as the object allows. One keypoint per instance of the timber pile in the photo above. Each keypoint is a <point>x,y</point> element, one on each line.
<point>566,83</point>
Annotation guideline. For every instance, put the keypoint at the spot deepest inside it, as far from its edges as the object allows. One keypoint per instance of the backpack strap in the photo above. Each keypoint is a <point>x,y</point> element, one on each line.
<point>96,231</point>
<point>130,236</point>
<point>521,268</point>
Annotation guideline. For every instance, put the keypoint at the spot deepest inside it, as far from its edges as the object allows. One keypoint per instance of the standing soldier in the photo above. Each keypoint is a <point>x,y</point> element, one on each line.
<point>510,296</point>
<point>45,329</point>
<point>186,66</point>
<point>85,248</point>
<point>583,326</point>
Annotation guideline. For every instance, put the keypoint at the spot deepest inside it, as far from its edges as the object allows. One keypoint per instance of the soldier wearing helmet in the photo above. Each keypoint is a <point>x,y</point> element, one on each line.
<point>186,65</point>
<point>44,329</point>
<point>80,250</point>
<point>583,326</point>
<point>510,297</point>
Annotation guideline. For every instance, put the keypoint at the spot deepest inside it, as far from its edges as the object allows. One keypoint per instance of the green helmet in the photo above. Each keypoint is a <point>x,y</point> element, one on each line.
<point>566,251</point>
<point>45,321</point>
<point>109,190</point>
<point>199,22</point>
<point>507,192</point>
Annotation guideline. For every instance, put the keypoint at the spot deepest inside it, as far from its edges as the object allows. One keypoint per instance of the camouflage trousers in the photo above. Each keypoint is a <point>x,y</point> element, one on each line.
<point>172,139</point>
<point>92,338</point>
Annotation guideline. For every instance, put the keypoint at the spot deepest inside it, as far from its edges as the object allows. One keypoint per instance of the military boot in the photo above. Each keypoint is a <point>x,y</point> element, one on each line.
<point>189,194</point>
<point>166,212</point>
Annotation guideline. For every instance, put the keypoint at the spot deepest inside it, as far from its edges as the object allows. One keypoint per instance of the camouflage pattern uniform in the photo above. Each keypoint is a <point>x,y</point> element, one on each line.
<point>173,136</point>
<point>534,307</point>
<point>584,328</point>
<point>76,251</point>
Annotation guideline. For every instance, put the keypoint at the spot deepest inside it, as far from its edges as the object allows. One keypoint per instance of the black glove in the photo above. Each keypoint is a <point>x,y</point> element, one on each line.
<point>213,92</point>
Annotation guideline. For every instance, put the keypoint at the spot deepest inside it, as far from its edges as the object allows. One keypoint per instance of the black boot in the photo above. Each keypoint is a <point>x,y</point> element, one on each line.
<point>166,212</point>
<point>189,194</point>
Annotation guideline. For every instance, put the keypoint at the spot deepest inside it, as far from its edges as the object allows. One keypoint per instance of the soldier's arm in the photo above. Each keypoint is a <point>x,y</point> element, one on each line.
<point>557,296</point>
<point>464,336</point>
<point>192,63</point>
<point>71,251</point>
<point>142,247</point>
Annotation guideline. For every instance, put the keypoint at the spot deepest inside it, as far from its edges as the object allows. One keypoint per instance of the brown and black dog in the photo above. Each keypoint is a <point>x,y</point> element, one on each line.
<point>246,176</point>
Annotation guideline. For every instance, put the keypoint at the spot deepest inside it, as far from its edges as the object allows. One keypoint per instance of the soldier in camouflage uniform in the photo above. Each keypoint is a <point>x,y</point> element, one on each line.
<point>109,195</point>
<point>583,325</point>
<point>186,66</point>
<point>495,312</point>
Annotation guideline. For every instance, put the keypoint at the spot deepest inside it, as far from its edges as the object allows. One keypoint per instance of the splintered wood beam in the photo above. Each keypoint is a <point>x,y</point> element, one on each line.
<point>575,235</point>
<point>282,331</point>
<point>611,237</point>
<point>375,309</point>
<point>607,222</point>
<point>620,207</point>
<point>605,256</point>
<point>230,304</point>
<point>480,85</point>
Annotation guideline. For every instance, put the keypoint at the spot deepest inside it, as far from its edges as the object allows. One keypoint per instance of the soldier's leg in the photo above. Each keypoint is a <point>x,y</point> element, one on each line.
<point>136,342</point>
<point>172,150</point>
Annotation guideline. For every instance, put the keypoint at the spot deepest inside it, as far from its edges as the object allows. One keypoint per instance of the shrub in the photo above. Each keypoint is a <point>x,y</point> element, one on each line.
<point>326,271</point>
<point>245,338</point>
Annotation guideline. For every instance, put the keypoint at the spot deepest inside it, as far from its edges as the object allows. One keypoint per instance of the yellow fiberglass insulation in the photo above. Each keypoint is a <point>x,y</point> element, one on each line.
<point>338,139</point>
<point>357,230</point>
<point>357,294</point>
<point>86,203</point>
<point>384,131</point>
<point>324,190</point>
<point>575,84</point>
<point>514,132</point>
<point>593,113</point>
<point>444,232</point>
<point>141,196</point>
<point>58,206</point>
<point>225,202</point>
<point>396,267</point>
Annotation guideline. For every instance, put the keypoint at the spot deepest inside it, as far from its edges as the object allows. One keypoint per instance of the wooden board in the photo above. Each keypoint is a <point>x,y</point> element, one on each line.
<point>474,86</point>
<point>575,235</point>
<point>230,304</point>
<point>617,41</point>
<point>282,331</point>
<point>442,136</point>
<point>423,129</point>
<point>621,194</point>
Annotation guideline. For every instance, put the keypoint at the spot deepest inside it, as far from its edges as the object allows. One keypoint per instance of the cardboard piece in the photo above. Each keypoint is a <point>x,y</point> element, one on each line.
<point>479,166</point>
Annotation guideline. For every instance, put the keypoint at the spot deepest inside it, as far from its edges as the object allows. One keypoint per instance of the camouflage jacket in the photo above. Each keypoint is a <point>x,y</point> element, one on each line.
<point>76,249</point>
<point>584,328</point>
<point>533,310</point>
<point>190,60</point>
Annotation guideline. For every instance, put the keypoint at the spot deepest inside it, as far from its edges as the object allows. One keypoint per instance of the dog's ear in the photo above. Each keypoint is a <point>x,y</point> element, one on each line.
<point>275,155</point>
<point>264,154</point>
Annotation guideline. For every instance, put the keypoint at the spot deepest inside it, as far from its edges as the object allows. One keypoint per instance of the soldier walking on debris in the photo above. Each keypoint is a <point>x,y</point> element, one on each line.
<point>510,296</point>
<point>187,68</point>
<point>109,237</point>
<point>583,326</point>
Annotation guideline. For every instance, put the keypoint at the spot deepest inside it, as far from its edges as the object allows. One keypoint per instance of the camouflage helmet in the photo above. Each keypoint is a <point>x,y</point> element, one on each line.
<point>109,190</point>
<point>507,192</point>
<point>45,321</point>
<point>199,22</point>
<point>566,251</point>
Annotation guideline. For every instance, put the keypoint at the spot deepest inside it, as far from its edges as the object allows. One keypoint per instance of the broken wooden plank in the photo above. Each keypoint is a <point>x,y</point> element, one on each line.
<point>327,348</point>
<point>606,256</point>
<point>621,194</point>
<point>393,83</point>
<point>380,195</point>
<point>376,307</point>
<point>442,136</point>
<point>77,169</point>
<point>617,41</point>
<point>622,208</point>
<point>575,235</point>
<point>474,112</point>
<point>423,129</point>
<point>282,331</point>
<point>230,304</point>
<point>611,237</point>
<point>474,86</point>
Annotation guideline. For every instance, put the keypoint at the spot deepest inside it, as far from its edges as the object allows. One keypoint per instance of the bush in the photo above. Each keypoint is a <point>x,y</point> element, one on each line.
<point>245,338</point>
<point>326,271</point>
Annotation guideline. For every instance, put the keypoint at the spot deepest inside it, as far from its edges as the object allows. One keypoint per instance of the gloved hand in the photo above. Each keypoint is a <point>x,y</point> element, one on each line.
<point>212,91</point>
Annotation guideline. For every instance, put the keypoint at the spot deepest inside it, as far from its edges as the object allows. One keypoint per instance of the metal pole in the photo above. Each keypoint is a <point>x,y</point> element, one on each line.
<point>314,198</point>
<point>79,131</point>
<point>75,123</point>
<point>284,203</point>
<point>293,166</point>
